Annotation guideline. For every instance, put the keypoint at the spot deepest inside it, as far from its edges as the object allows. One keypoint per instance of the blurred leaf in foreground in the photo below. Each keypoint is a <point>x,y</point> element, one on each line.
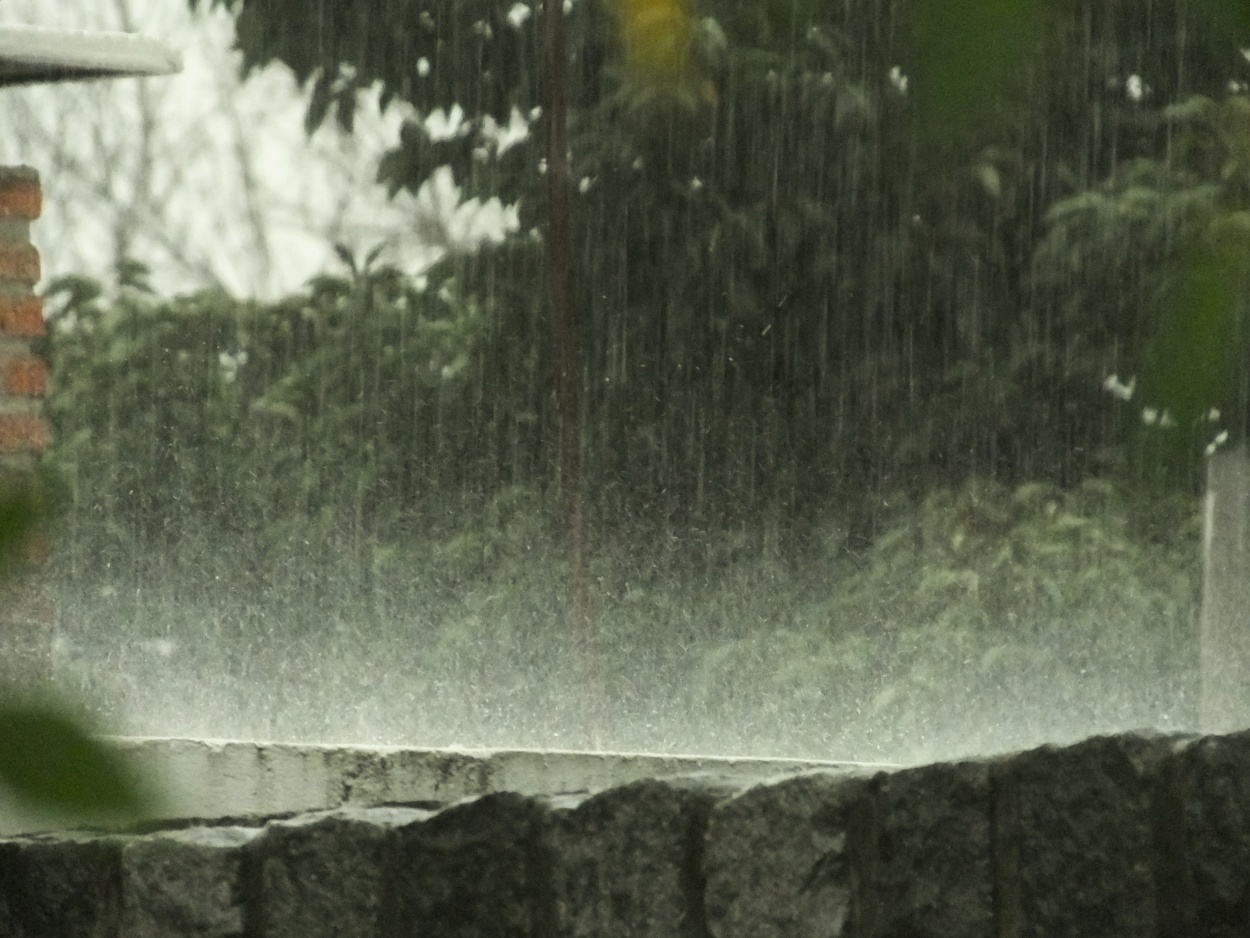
<point>658,40</point>
<point>1199,348</point>
<point>50,762</point>
<point>965,55</point>
<point>47,759</point>
<point>655,35</point>
<point>1232,17</point>
<point>20,508</point>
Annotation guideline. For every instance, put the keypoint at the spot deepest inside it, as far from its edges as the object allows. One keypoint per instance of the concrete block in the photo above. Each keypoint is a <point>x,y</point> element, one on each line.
<point>184,883</point>
<point>476,869</point>
<point>1075,839</point>
<point>1214,784</point>
<point>628,862</point>
<point>779,862</point>
<point>928,855</point>
<point>323,874</point>
<point>60,886</point>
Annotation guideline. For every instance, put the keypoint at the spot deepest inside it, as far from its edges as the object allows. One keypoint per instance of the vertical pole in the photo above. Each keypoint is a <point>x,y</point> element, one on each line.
<point>567,347</point>
<point>1225,616</point>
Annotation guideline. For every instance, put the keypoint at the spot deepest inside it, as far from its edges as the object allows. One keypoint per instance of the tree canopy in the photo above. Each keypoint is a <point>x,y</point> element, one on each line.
<point>783,248</point>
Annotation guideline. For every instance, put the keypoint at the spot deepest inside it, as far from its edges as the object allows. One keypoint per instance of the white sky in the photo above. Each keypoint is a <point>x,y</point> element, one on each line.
<point>172,191</point>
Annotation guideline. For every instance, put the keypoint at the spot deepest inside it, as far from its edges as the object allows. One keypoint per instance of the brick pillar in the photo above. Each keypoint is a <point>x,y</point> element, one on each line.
<point>26,612</point>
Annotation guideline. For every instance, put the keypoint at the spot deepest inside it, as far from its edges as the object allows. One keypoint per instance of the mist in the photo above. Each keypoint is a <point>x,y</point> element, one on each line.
<point>874,430</point>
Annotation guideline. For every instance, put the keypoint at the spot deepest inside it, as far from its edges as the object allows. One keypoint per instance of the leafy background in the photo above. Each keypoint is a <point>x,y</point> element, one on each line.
<point>854,486</point>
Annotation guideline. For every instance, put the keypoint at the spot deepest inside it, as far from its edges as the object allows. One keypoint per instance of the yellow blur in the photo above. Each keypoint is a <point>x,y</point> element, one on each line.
<point>655,39</point>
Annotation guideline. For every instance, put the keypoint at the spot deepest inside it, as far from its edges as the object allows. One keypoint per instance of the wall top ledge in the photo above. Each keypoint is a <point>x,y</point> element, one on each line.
<point>489,752</point>
<point>213,778</point>
<point>33,54</point>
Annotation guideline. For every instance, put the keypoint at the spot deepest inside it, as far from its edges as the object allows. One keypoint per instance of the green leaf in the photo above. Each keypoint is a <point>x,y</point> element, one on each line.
<point>1191,357</point>
<point>346,256</point>
<point>134,275</point>
<point>78,292</point>
<point>1231,17</point>
<point>319,103</point>
<point>20,508</point>
<point>48,760</point>
<point>374,253</point>
<point>965,56</point>
<point>1196,107</point>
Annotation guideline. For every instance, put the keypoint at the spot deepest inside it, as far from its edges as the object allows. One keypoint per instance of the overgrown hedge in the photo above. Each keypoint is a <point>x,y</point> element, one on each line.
<point>300,517</point>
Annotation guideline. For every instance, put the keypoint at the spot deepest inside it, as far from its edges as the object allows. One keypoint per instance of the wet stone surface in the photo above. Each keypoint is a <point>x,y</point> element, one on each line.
<point>778,861</point>
<point>324,874</point>
<point>1214,783</point>
<point>476,868</point>
<point>190,882</point>
<point>932,871</point>
<point>628,862</point>
<point>65,886</point>
<point>1079,828</point>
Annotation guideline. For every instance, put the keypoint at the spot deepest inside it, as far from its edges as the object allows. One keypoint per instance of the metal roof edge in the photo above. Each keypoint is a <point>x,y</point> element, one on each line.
<point>34,54</point>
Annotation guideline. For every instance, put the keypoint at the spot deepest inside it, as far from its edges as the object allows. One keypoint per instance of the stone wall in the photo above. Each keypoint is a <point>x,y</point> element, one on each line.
<point>1132,835</point>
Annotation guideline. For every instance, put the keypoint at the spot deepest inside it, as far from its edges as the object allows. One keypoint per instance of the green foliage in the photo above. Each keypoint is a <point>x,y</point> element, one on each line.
<point>20,509</point>
<point>205,407</point>
<point>966,57</point>
<point>793,314</point>
<point>1023,593</point>
<point>979,599</point>
<point>49,761</point>
<point>1173,228</point>
<point>776,261</point>
<point>1199,349</point>
<point>1000,562</point>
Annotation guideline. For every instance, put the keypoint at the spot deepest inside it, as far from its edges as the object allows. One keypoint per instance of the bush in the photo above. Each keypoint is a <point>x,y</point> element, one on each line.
<point>986,617</point>
<point>299,517</point>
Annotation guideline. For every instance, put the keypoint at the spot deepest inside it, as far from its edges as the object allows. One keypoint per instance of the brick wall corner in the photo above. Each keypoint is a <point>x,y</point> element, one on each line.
<point>26,614</point>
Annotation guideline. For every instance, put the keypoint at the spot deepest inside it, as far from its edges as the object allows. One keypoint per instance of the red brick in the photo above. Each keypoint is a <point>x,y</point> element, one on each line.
<point>21,316</point>
<point>19,262</point>
<point>22,433</point>
<point>24,377</point>
<point>20,195</point>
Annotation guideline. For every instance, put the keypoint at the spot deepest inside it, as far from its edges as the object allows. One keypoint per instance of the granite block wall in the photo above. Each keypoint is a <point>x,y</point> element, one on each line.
<point>1128,836</point>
